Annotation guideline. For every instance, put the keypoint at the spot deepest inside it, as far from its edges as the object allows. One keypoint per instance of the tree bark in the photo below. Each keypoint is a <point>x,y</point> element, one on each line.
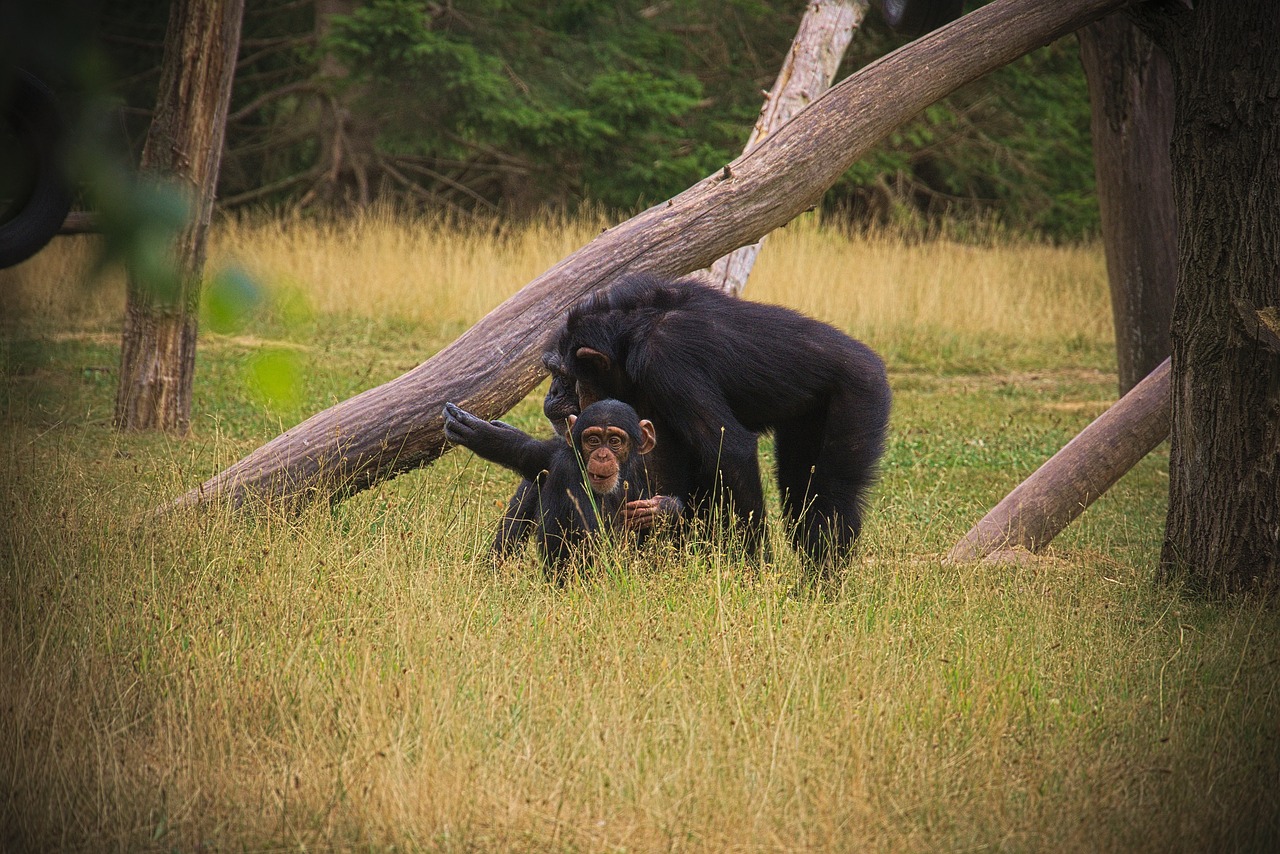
<point>1131,96</point>
<point>820,44</point>
<point>1072,479</point>
<point>1223,529</point>
<point>183,145</point>
<point>398,426</point>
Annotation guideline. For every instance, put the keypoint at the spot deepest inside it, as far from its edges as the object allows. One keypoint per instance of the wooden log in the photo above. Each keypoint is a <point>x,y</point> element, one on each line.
<point>80,222</point>
<point>1072,479</point>
<point>398,426</point>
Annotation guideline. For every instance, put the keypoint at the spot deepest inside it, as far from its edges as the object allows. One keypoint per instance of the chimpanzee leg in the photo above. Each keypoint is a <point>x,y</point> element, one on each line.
<point>797,446</point>
<point>519,520</point>
<point>737,459</point>
<point>826,466</point>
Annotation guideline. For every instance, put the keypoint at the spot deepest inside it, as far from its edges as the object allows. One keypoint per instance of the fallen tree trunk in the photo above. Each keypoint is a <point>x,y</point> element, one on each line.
<point>398,426</point>
<point>1072,479</point>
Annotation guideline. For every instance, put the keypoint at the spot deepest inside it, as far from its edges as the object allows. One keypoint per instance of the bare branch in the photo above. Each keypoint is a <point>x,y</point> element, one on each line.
<point>820,43</point>
<point>267,97</point>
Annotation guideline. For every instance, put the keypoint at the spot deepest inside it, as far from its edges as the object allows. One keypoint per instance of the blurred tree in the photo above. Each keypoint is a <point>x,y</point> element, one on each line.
<point>347,134</point>
<point>184,146</point>
<point>518,105</point>
<point>1012,148</point>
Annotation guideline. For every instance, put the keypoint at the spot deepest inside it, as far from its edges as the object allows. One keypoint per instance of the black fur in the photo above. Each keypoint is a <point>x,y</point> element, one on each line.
<point>521,516</point>
<point>555,500</point>
<point>713,371</point>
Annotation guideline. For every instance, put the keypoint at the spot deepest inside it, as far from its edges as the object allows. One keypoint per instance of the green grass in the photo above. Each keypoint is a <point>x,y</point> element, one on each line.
<point>363,677</point>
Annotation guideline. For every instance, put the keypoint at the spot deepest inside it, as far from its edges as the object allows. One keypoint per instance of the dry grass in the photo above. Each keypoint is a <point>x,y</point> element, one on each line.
<point>432,273</point>
<point>362,677</point>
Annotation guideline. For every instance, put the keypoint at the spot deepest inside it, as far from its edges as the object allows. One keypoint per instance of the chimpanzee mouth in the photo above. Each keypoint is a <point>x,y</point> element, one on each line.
<point>602,483</point>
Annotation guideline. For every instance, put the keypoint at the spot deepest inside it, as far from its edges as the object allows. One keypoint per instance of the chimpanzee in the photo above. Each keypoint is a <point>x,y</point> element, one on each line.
<point>604,449</point>
<point>713,371</point>
<point>521,516</point>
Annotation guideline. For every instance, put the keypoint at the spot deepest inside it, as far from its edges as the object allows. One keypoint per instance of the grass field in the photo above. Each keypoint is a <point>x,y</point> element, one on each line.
<point>363,677</point>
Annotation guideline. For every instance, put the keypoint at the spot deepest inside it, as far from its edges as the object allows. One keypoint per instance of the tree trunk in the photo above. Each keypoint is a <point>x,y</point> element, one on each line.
<point>1072,479</point>
<point>183,145</point>
<point>1131,96</point>
<point>1223,528</point>
<point>398,426</point>
<point>820,43</point>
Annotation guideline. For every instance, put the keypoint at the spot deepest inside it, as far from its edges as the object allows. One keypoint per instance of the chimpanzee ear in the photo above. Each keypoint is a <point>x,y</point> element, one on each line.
<point>648,438</point>
<point>594,358</point>
<point>568,434</point>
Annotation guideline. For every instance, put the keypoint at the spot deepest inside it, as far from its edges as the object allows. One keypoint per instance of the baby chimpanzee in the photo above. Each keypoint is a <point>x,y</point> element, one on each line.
<point>584,483</point>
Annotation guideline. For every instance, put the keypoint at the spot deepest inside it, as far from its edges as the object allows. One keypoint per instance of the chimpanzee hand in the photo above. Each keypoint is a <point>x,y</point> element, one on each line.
<point>471,431</point>
<point>647,512</point>
<point>501,443</point>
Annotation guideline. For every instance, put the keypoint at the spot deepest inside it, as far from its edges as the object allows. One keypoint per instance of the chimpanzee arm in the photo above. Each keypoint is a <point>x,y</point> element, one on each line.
<point>500,443</point>
<point>723,453</point>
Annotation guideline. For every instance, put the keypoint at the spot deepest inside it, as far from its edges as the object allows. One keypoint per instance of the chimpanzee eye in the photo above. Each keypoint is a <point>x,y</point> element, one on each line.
<point>615,441</point>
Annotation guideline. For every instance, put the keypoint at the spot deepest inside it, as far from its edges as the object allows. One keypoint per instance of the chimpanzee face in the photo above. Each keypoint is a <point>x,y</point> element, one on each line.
<point>561,400</point>
<point>609,437</point>
<point>605,451</point>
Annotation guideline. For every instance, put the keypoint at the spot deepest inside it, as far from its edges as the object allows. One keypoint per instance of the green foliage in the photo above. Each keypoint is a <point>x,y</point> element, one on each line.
<point>577,94</point>
<point>517,106</point>
<point>450,87</point>
<point>1015,144</point>
<point>275,375</point>
<point>140,217</point>
<point>140,223</point>
<point>230,298</point>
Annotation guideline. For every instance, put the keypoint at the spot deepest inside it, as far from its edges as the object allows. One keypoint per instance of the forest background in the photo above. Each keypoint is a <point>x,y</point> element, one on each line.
<point>484,107</point>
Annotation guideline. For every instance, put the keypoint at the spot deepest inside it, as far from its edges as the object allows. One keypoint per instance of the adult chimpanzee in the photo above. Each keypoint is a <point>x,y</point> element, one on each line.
<point>604,449</point>
<point>713,371</point>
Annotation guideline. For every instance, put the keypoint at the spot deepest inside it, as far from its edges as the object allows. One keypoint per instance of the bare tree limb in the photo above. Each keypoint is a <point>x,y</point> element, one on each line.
<point>268,189</point>
<point>443,179</point>
<point>418,191</point>
<point>267,97</point>
<point>398,426</point>
<point>820,43</point>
